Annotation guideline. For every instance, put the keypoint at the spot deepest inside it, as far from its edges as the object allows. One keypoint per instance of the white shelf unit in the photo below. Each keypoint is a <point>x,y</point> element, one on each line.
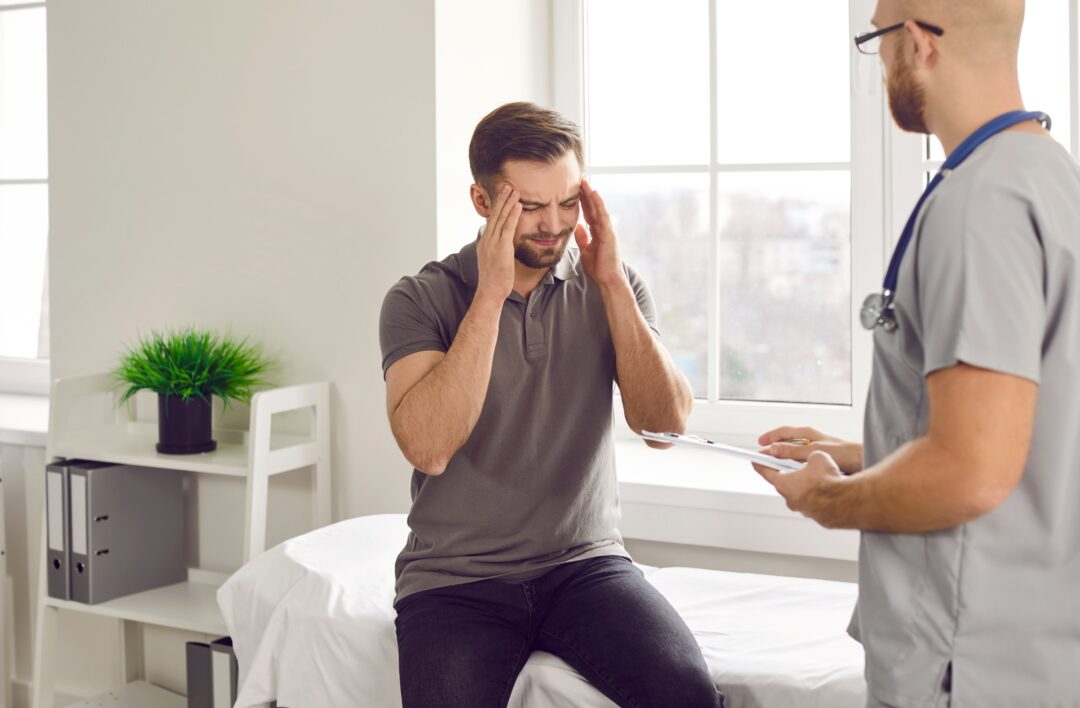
<point>137,694</point>
<point>256,455</point>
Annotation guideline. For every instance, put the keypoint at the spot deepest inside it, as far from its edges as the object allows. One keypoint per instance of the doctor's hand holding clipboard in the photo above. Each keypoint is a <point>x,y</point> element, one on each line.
<point>825,458</point>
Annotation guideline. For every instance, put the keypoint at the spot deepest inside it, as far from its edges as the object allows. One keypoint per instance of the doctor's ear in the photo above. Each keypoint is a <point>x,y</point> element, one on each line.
<point>481,200</point>
<point>924,50</point>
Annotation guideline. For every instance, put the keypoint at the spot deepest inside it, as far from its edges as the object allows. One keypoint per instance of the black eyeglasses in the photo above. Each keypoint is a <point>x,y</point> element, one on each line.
<point>870,42</point>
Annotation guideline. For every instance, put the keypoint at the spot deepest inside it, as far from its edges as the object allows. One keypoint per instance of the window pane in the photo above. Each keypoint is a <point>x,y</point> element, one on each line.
<point>648,82</point>
<point>785,287</point>
<point>24,216</point>
<point>782,81</point>
<point>663,227</point>
<point>23,124</point>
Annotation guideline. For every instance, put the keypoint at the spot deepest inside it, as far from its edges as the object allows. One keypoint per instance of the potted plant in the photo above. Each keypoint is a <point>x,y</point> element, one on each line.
<point>186,368</point>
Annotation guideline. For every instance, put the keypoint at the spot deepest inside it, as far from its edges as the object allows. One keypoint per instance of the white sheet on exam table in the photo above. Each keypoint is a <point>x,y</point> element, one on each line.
<point>312,624</point>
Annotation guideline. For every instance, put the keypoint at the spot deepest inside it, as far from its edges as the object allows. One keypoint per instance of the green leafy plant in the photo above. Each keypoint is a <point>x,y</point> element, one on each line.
<point>193,363</point>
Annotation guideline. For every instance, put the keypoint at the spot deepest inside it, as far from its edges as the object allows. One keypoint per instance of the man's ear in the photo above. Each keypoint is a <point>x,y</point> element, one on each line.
<point>924,50</point>
<point>481,201</point>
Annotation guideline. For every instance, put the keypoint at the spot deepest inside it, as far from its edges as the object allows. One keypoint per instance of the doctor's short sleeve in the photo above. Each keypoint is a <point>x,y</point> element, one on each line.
<point>981,281</point>
<point>406,326</point>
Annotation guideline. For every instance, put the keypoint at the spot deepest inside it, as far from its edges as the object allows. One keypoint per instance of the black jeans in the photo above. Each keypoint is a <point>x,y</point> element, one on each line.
<point>465,645</point>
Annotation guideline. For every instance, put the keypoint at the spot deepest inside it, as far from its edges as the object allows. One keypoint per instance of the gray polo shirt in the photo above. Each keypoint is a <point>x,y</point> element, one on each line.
<point>534,485</point>
<point>992,280</point>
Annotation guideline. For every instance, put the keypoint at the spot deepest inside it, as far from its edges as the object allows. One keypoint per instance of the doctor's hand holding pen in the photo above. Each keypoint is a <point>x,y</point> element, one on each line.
<point>797,444</point>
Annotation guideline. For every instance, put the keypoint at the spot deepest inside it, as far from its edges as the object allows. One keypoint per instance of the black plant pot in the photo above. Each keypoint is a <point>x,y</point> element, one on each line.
<point>184,426</point>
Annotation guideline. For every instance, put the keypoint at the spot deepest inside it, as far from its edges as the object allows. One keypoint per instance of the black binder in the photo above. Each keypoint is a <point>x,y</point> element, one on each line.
<point>225,672</point>
<point>200,681</point>
<point>211,674</point>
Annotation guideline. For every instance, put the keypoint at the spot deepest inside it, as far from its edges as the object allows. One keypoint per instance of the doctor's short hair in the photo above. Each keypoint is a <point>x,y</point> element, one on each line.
<point>521,131</point>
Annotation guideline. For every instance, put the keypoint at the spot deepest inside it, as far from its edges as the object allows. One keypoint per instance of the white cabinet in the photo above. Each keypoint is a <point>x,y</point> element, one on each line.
<point>256,455</point>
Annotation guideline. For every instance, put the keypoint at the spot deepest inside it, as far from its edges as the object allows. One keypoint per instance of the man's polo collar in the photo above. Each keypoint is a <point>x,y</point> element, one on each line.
<point>468,265</point>
<point>566,268</point>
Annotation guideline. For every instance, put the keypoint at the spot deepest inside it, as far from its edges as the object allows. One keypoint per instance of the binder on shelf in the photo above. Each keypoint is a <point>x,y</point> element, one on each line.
<point>58,521</point>
<point>127,530</point>
<point>200,676</point>
<point>211,674</point>
<point>225,672</point>
<point>58,555</point>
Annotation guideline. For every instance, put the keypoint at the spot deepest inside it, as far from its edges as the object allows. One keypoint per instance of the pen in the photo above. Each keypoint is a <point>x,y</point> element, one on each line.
<point>676,436</point>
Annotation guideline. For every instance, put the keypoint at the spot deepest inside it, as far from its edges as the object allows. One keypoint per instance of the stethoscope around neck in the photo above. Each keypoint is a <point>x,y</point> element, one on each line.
<point>879,310</point>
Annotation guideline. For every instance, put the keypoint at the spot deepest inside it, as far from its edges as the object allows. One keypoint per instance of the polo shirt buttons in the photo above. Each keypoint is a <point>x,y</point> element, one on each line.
<point>532,313</point>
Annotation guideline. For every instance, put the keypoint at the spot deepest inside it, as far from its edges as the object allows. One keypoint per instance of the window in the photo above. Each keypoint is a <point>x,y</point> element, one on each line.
<point>24,195</point>
<point>737,163</point>
<point>758,183</point>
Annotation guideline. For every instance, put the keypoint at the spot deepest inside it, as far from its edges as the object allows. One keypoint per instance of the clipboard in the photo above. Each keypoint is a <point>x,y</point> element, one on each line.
<point>743,454</point>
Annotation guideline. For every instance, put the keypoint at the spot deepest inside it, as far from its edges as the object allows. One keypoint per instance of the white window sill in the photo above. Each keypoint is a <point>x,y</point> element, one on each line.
<point>702,498</point>
<point>24,419</point>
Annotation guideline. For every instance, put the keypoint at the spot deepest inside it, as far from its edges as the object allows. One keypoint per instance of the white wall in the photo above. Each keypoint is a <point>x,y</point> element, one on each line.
<point>487,53</point>
<point>265,165</point>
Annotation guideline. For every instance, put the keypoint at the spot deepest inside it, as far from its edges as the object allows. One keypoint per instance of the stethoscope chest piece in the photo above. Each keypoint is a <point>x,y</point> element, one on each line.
<point>878,311</point>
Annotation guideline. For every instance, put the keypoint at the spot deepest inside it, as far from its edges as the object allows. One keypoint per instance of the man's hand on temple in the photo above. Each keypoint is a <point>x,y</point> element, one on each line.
<point>598,244</point>
<point>495,253</point>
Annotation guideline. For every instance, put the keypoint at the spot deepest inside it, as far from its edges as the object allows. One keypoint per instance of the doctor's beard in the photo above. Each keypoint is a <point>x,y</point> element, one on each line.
<point>907,101</point>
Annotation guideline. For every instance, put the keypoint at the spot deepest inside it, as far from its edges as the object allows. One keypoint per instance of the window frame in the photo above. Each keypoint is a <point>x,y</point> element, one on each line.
<point>25,376</point>
<point>872,218</point>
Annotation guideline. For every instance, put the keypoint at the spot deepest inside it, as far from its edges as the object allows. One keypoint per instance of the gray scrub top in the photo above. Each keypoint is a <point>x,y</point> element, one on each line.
<point>990,280</point>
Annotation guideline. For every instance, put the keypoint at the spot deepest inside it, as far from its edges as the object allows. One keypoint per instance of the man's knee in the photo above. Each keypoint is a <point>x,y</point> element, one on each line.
<point>676,677</point>
<point>688,685</point>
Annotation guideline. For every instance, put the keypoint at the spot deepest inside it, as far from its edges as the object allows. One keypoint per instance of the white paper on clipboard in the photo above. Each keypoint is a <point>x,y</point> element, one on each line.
<point>743,454</point>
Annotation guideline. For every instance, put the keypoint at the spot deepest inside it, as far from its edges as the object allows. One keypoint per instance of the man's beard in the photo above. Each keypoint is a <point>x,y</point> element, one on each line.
<point>906,98</point>
<point>546,257</point>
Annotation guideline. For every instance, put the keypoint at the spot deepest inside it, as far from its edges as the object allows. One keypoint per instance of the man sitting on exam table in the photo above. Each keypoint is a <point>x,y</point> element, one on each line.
<point>499,363</point>
<point>968,485</point>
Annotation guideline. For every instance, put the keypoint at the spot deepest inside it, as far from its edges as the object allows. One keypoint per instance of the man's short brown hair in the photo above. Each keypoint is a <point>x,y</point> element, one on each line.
<point>521,131</point>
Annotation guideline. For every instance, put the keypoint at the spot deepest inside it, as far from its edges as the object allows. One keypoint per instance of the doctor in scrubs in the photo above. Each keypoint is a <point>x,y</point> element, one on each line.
<point>967,487</point>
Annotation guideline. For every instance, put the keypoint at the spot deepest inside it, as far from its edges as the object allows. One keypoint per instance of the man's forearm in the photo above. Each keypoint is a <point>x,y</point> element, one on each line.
<point>656,395</point>
<point>921,487</point>
<point>438,414</point>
